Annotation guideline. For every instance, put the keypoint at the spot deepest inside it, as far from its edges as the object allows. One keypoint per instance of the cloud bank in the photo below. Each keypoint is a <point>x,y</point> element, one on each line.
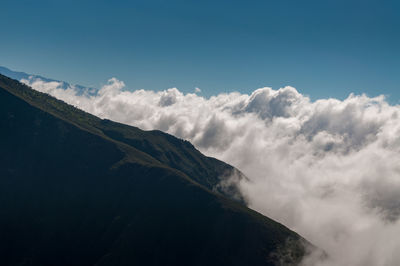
<point>328,169</point>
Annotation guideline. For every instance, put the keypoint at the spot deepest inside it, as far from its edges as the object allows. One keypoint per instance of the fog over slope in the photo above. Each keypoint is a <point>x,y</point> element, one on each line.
<point>328,169</point>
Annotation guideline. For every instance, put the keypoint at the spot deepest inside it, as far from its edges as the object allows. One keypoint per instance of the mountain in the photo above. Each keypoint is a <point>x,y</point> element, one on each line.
<point>22,76</point>
<point>78,190</point>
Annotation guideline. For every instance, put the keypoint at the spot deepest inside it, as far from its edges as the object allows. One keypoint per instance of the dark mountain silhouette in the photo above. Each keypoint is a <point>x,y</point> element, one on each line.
<point>78,190</point>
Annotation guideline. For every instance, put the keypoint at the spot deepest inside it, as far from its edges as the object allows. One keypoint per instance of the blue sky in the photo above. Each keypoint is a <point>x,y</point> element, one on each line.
<point>323,48</point>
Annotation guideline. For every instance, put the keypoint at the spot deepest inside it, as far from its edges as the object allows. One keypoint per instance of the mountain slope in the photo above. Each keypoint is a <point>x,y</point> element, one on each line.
<point>78,190</point>
<point>163,147</point>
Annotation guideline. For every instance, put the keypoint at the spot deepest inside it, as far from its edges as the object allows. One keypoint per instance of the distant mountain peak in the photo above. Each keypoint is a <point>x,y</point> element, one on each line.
<point>30,78</point>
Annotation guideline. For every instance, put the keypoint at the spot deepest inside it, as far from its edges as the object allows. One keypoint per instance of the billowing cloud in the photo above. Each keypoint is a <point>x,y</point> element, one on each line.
<point>328,169</point>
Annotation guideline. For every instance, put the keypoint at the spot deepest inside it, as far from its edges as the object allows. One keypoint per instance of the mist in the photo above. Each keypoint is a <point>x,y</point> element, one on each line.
<point>328,169</point>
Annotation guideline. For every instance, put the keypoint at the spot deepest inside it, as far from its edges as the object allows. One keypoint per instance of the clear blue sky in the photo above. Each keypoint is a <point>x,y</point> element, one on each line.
<point>324,48</point>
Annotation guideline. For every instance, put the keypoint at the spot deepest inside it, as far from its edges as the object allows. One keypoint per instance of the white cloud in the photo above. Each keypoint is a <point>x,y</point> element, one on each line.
<point>328,169</point>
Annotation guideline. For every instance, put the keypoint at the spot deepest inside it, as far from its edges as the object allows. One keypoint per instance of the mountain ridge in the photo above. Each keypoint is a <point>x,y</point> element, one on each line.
<point>95,170</point>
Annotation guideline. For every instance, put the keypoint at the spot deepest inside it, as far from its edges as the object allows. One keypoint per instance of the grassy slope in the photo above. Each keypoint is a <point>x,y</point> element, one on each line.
<point>174,152</point>
<point>77,190</point>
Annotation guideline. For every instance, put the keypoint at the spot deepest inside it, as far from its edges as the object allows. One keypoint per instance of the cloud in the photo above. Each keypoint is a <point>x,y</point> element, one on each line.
<point>169,97</point>
<point>328,169</point>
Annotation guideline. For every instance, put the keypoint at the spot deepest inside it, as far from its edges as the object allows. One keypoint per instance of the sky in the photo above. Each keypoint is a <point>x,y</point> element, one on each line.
<point>322,48</point>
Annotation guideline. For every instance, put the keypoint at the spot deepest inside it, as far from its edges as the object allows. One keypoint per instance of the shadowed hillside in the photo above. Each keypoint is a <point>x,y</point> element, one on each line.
<point>78,190</point>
